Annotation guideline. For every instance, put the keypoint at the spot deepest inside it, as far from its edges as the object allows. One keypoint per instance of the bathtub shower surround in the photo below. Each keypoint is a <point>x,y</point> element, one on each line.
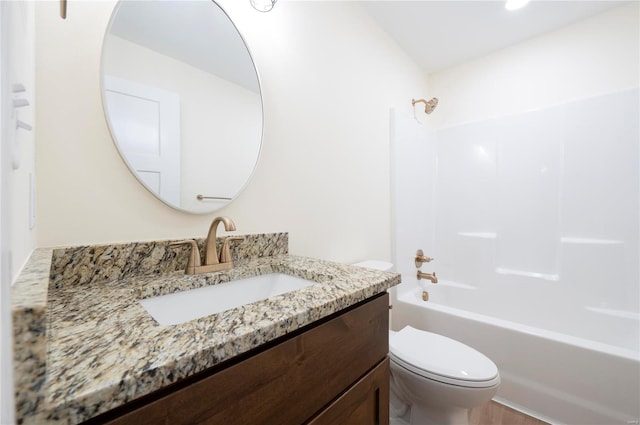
<point>533,219</point>
<point>545,196</point>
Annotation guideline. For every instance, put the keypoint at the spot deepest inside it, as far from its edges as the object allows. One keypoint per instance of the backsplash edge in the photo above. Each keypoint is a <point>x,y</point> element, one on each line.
<point>95,264</point>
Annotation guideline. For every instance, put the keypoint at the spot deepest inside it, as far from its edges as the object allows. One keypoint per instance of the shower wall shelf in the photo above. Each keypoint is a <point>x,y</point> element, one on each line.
<point>564,239</point>
<point>590,241</point>
<point>18,88</point>
<point>544,276</point>
<point>23,125</point>
<point>20,103</point>
<point>480,235</point>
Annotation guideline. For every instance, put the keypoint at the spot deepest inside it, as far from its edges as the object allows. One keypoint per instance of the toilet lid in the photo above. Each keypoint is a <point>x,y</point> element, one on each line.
<point>442,359</point>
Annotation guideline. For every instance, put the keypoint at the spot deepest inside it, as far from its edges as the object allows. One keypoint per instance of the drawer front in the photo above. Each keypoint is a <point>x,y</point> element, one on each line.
<point>285,384</point>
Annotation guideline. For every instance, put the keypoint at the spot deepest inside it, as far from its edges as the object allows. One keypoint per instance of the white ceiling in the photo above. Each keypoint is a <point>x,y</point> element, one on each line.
<point>439,34</point>
<point>435,33</point>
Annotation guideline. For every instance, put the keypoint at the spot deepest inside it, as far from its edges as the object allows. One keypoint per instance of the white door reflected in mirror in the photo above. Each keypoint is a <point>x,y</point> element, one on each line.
<point>146,125</point>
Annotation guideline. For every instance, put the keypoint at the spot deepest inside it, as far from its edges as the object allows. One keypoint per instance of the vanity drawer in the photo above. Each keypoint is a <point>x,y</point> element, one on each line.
<point>285,384</point>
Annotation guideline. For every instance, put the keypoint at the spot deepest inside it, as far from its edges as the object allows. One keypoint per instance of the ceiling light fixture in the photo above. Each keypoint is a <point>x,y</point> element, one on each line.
<point>515,4</point>
<point>263,5</point>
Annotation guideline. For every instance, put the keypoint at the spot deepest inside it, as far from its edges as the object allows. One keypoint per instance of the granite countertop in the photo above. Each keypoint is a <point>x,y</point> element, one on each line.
<point>82,350</point>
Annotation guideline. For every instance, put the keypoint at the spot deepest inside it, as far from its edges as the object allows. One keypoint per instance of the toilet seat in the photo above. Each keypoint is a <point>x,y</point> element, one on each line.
<point>441,359</point>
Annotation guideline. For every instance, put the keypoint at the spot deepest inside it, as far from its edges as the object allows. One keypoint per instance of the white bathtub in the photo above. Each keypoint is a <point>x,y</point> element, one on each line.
<point>583,369</point>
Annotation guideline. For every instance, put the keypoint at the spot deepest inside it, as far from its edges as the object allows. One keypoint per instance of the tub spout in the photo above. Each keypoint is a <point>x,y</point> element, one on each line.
<point>431,277</point>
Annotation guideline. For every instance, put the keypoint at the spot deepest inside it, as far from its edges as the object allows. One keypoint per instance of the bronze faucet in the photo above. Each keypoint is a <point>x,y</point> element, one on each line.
<point>210,251</point>
<point>212,261</point>
<point>431,277</point>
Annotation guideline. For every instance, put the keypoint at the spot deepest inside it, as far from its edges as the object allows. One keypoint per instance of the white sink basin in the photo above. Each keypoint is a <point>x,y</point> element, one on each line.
<point>183,306</point>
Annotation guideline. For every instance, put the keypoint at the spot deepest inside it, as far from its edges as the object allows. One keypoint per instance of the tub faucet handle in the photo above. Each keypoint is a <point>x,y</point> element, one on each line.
<point>421,258</point>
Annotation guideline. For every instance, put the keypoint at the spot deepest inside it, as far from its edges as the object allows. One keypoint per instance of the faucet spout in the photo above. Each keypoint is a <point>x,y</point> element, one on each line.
<point>431,277</point>
<point>210,251</point>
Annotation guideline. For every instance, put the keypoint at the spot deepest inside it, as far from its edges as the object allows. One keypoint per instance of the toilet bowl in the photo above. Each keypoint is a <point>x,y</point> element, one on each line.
<point>435,380</point>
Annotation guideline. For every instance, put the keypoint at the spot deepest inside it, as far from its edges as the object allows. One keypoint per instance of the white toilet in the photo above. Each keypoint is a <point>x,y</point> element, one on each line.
<point>435,380</point>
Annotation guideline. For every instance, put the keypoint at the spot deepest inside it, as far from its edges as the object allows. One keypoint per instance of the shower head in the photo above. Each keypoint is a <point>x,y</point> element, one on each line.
<point>429,105</point>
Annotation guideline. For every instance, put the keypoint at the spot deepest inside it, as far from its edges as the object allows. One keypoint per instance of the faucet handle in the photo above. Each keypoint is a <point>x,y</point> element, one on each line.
<point>194,256</point>
<point>421,258</point>
<point>225,252</point>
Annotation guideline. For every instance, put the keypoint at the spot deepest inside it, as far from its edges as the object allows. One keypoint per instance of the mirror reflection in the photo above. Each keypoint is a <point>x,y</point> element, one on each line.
<point>182,100</point>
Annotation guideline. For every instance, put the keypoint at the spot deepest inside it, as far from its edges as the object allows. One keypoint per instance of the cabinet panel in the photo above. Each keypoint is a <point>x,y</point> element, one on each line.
<point>285,384</point>
<point>366,403</point>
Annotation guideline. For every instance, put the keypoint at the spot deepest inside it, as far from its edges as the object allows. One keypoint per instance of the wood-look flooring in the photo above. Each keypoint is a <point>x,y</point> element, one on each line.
<point>493,413</point>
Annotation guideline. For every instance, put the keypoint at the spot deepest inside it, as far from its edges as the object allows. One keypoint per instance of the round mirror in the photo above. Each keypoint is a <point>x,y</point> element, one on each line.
<point>182,100</point>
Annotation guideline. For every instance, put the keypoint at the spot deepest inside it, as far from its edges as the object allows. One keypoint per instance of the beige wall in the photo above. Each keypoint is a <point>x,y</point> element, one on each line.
<point>591,57</point>
<point>329,77</point>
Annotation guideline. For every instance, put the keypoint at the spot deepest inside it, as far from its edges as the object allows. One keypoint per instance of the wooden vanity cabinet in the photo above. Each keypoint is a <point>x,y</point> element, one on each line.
<point>366,402</point>
<point>332,372</point>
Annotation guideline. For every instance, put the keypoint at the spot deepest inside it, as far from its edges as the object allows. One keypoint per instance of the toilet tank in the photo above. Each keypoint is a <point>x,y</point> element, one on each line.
<point>384,266</point>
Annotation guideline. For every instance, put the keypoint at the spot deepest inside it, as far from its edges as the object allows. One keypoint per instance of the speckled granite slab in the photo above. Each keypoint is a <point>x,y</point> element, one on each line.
<point>104,263</point>
<point>97,348</point>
